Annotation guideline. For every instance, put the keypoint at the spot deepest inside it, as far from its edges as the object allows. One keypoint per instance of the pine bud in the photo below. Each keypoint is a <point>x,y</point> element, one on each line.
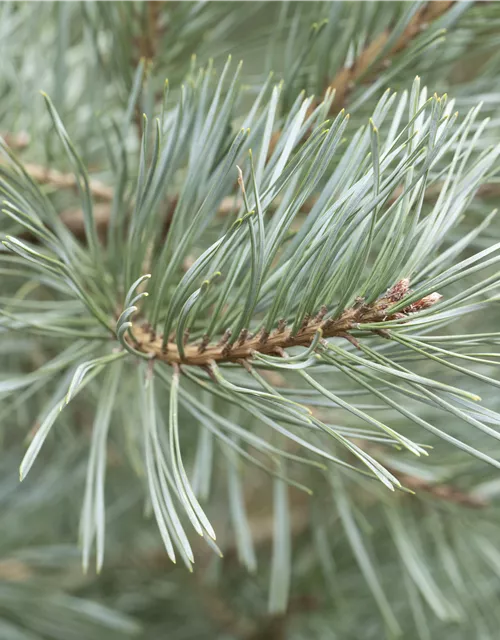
<point>398,291</point>
<point>423,303</point>
<point>428,301</point>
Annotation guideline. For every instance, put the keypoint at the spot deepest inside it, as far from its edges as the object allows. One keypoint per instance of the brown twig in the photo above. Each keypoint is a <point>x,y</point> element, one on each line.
<point>149,40</point>
<point>347,77</point>
<point>442,491</point>
<point>487,190</point>
<point>53,178</point>
<point>13,570</point>
<point>275,342</point>
<point>262,344</point>
<point>17,141</point>
<point>438,489</point>
<point>59,180</point>
<point>103,193</point>
<point>73,218</point>
<point>147,44</point>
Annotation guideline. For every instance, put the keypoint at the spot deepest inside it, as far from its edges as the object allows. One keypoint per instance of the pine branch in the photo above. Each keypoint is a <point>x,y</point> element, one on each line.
<point>346,78</point>
<point>147,44</point>
<point>149,39</point>
<point>202,354</point>
<point>346,255</point>
<point>343,83</point>
<point>442,491</point>
<point>16,141</point>
<point>327,416</point>
<point>74,218</point>
<point>59,180</point>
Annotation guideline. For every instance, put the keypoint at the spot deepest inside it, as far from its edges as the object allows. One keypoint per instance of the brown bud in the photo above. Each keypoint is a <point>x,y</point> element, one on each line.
<point>423,303</point>
<point>398,291</point>
<point>429,300</point>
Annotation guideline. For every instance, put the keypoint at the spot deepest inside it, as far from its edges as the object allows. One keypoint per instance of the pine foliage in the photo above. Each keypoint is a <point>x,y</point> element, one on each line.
<point>250,313</point>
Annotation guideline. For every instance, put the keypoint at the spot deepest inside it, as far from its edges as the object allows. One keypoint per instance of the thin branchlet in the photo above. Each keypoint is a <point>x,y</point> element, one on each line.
<point>442,491</point>
<point>202,354</point>
<point>346,78</point>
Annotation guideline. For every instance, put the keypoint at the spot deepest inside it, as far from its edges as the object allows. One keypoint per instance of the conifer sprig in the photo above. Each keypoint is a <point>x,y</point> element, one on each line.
<point>342,296</point>
<point>318,317</point>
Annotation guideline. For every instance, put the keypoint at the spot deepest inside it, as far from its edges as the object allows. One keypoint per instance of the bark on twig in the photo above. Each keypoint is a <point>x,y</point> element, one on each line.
<point>42,175</point>
<point>438,489</point>
<point>73,218</point>
<point>442,491</point>
<point>59,180</point>
<point>146,341</point>
<point>17,141</point>
<point>149,39</point>
<point>347,77</point>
